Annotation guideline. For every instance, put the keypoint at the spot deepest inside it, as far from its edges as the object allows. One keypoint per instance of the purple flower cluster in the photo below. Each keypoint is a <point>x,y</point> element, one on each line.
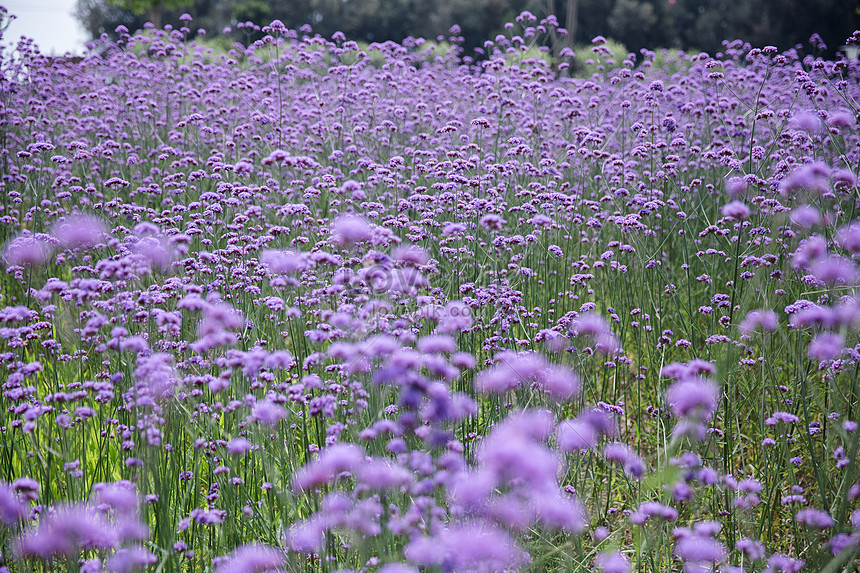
<point>305,304</point>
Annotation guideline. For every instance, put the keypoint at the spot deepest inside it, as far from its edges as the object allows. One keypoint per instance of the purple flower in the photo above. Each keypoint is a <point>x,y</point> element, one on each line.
<point>810,315</point>
<point>276,27</point>
<point>122,496</point>
<point>268,413</point>
<point>453,229</point>
<point>12,508</point>
<point>512,451</point>
<point>612,562</point>
<point>735,186</point>
<point>467,547</point>
<point>252,558</point>
<point>735,210</point>
<point>623,455</point>
<point>574,435</point>
<point>649,509</point>
<point>825,346</point>
<point>26,250</point>
<point>699,549</point>
<point>843,179</point>
<point>806,121</point>
<point>156,251</point>
<point>455,318</point>
<point>509,371</point>
<point>602,419</point>
<point>471,489</point>
<point>806,216</point>
<point>350,229</point>
<point>814,518</point>
<point>65,531</point>
<point>492,222</point>
<point>758,319</point>
<point>307,536</point>
<point>27,488</point>
<point>238,446</point>
<point>560,382</point>
<point>778,563</point>
<point>79,231</point>
<point>842,541</point>
<point>333,461</point>
<point>784,417</point>
<point>557,511</point>
<point>593,325</point>
<point>835,270</point>
<point>397,568</point>
<point>437,344</point>
<point>753,549</point>
<point>129,559</point>
<point>286,262</point>
<point>463,360</point>
<point>848,238</point>
<point>410,255</point>
<point>382,474</point>
<point>840,118</point>
<point>694,398</point>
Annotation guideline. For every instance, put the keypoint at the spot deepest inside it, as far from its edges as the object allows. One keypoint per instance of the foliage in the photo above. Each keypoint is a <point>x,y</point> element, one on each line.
<point>601,58</point>
<point>692,25</point>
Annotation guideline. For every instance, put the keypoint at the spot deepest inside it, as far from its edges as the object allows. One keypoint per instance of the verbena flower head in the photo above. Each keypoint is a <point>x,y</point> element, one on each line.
<point>64,531</point>
<point>806,121</point>
<point>268,413</point>
<point>382,474</point>
<point>350,229</point>
<point>239,446</point>
<point>779,563</point>
<point>332,461</point>
<point>253,558</point>
<point>478,547</point>
<point>825,346</point>
<point>121,496</point>
<point>633,465</point>
<point>811,176</point>
<point>26,250</point>
<point>735,210</point>
<point>12,507</point>
<point>814,518</point>
<point>762,319</point>
<point>410,255</point>
<point>511,370</point>
<point>612,562</point>
<point>574,435</point>
<point>700,549</point>
<point>79,231</point>
<point>513,451</point>
<point>307,536</point>
<point>398,568</point>
<point>593,325</point>
<point>806,216</point>
<point>286,262</point>
<point>694,398</point>
<point>128,559</point>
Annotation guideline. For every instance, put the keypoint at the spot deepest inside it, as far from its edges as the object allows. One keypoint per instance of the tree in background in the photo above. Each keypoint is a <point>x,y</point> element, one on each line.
<point>154,8</point>
<point>633,22</point>
<point>685,24</point>
<point>704,24</point>
<point>100,17</point>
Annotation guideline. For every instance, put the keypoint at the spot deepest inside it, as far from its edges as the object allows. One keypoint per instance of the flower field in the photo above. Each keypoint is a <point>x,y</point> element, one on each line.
<point>302,306</point>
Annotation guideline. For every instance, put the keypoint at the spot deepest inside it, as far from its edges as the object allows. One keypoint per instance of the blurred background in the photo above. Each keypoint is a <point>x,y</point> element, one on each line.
<point>692,25</point>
